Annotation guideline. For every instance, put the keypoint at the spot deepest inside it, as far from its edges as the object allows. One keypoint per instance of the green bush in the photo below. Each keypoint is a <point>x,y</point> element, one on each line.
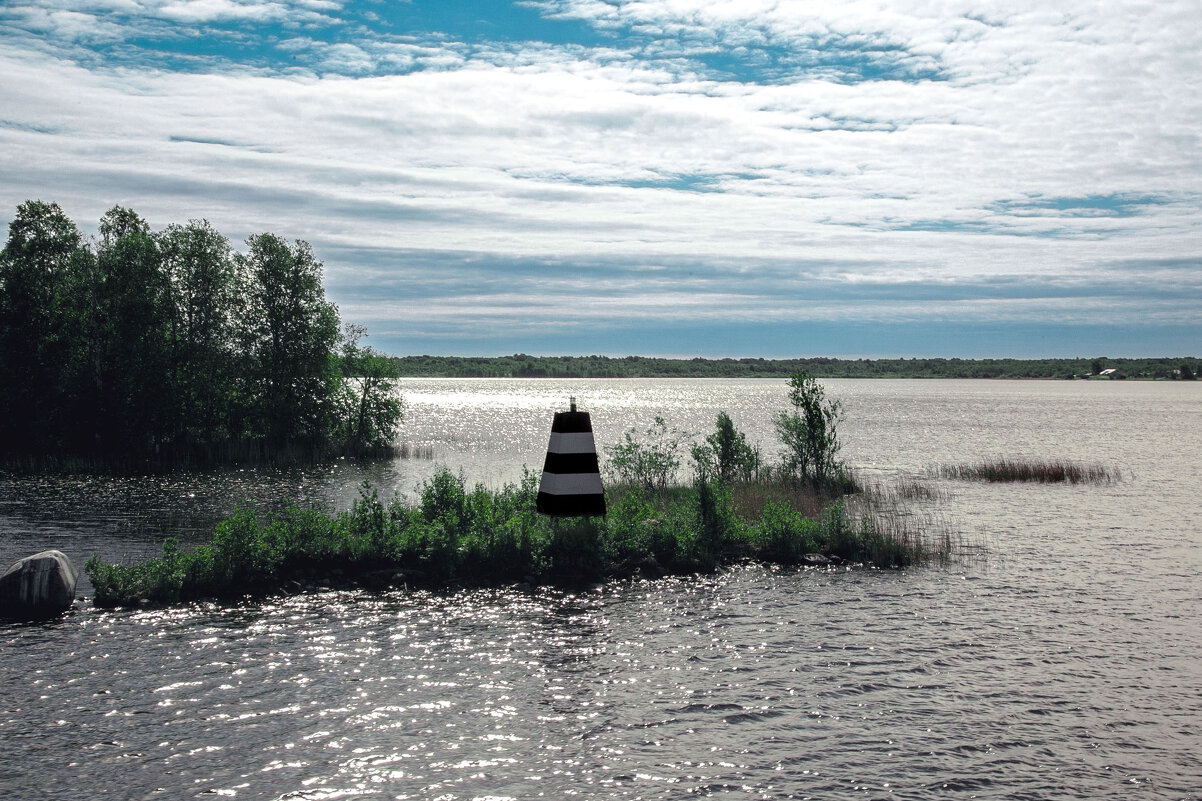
<point>783,535</point>
<point>809,431</point>
<point>725,454</point>
<point>650,462</point>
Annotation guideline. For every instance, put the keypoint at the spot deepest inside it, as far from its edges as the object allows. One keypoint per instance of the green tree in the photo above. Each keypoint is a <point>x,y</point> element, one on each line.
<point>372,407</point>
<point>203,290</point>
<point>809,431</point>
<point>132,329</point>
<point>43,250</point>
<point>725,453</point>
<point>288,334</point>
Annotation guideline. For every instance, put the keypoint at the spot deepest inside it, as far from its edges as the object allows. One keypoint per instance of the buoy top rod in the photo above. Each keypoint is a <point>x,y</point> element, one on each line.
<point>572,403</point>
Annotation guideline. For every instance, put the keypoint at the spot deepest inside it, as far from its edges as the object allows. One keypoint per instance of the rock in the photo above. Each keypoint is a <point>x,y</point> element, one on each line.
<point>41,585</point>
<point>815,559</point>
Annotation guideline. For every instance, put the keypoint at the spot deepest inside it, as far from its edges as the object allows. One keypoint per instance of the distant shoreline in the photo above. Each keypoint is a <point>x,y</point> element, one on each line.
<point>525,366</point>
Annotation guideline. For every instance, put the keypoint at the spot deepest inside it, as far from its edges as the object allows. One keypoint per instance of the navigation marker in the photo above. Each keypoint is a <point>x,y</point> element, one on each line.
<point>571,482</point>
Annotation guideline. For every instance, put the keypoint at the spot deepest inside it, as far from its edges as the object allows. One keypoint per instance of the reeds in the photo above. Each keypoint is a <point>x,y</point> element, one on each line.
<point>409,451</point>
<point>1049,472</point>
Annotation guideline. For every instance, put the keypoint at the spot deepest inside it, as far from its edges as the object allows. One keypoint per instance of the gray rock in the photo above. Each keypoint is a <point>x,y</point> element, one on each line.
<point>41,585</point>
<point>815,559</point>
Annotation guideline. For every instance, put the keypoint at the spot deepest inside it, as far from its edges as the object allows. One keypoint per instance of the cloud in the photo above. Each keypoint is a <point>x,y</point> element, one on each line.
<point>695,161</point>
<point>63,23</point>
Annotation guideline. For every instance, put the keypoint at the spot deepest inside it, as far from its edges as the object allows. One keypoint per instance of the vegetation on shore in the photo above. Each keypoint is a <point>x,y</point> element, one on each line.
<point>453,534</point>
<point>170,348</point>
<point>1046,472</point>
<point>524,366</point>
<point>736,507</point>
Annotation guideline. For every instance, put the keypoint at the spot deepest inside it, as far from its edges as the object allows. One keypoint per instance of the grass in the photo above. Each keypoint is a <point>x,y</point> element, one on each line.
<point>1004,469</point>
<point>454,535</point>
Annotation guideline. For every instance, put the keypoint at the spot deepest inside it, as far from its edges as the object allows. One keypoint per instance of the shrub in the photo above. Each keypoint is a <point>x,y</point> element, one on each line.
<point>718,528</point>
<point>726,454</point>
<point>783,535</point>
<point>651,462</point>
<point>809,431</point>
<point>630,527</point>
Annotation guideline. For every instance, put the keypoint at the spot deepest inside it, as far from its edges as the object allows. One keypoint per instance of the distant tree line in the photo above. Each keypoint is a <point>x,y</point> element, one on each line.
<point>523,366</point>
<point>172,347</point>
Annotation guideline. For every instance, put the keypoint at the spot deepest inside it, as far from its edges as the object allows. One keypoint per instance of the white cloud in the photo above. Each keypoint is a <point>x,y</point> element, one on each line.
<point>771,192</point>
<point>193,11</point>
<point>128,19</point>
<point>64,24</point>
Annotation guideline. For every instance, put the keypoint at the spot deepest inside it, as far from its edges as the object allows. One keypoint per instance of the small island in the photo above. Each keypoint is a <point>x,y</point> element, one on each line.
<point>159,350</point>
<point>806,509</point>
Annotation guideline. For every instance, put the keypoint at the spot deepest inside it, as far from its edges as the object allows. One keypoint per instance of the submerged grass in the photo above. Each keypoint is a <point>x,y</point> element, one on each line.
<point>1003,469</point>
<point>454,535</point>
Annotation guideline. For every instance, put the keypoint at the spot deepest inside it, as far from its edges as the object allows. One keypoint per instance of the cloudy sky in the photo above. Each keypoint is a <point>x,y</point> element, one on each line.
<point>667,177</point>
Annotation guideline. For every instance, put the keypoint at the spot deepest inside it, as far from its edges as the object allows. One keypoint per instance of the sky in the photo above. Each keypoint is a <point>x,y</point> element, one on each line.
<point>654,177</point>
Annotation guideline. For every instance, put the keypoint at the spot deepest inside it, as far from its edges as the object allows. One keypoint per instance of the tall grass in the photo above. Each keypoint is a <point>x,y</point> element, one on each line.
<point>452,534</point>
<point>1005,469</point>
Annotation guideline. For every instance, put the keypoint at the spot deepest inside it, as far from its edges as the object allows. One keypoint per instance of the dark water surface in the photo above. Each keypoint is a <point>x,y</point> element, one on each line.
<point>1064,663</point>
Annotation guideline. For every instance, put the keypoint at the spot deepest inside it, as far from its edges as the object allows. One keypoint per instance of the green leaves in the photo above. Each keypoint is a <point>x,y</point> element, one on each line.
<point>809,431</point>
<point>726,454</point>
<point>173,348</point>
<point>650,461</point>
<point>370,406</point>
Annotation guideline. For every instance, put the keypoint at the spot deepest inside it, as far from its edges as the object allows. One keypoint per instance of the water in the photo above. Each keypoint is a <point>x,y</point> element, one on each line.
<point>1064,664</point>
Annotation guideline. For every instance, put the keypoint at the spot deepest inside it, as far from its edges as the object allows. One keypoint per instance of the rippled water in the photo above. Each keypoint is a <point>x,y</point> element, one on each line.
<point>1064,664</point>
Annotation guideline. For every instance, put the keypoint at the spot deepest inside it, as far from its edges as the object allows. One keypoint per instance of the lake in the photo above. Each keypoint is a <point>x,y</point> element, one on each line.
<point>1063,662</point>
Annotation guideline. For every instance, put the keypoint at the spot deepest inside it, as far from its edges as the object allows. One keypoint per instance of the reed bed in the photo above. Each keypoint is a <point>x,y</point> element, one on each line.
<point>1046,472</point>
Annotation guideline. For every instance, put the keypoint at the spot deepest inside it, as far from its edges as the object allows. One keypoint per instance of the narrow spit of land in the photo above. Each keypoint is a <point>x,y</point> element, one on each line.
<point>456,536</point>
<point>523,366</point>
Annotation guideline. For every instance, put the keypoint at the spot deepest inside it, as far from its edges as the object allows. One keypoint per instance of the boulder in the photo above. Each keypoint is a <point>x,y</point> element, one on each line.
<point>41,585</point>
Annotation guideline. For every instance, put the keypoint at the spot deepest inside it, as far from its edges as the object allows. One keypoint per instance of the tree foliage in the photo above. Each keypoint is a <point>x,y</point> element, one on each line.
<point>725,453</point>
<point>809,431</point>
<point>203,286</point>
<point>37,272</point>
<point>521,365</point>
<point>288,332</point>
<point>370,407</point>
<point>650,460</point>
<point>173,347</point>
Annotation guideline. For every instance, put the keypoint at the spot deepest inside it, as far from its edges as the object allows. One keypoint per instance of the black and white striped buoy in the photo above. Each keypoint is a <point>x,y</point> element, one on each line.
<point>571,482</point>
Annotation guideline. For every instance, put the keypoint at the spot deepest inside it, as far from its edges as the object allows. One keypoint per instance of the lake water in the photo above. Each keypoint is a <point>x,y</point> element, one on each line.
<point>1064,663</point>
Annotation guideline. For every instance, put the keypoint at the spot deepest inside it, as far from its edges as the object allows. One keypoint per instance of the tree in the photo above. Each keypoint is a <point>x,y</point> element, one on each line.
<point>809,431</point>
<point>726,453</point>
<point>372,408</point>
<point>43,249</point>
<point>1186,372</point>
<point>288,335</point>
<point>132,331</point>
<point>203,289</point>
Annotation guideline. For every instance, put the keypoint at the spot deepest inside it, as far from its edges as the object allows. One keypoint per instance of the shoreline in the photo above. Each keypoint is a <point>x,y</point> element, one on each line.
<point>1162,368</point>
